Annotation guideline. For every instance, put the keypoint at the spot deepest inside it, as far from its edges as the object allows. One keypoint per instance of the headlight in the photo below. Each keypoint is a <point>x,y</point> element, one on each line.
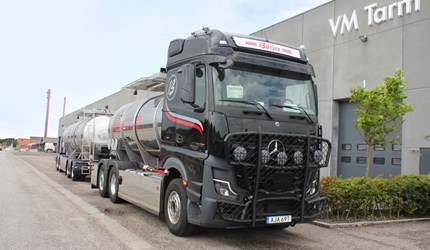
<point>312,188</point>
<point>318,156</point>
<point>223,188</point>
<point>240,153</point>
<point>282,158</point>
<point>265,156</point>
<point>298,157</point>
<point>313,185</point>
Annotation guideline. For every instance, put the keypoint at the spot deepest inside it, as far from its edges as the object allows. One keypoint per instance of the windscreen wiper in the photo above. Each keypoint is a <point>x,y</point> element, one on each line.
<point>257,104</point>
<point>295,107</point>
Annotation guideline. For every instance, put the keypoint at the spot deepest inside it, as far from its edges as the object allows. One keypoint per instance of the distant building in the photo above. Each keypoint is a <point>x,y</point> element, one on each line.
<point>358,43</point>
<point>35,143</point>
<point>23,143</point>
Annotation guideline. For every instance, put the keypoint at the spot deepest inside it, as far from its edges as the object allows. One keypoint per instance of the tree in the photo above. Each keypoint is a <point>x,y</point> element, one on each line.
<point>379,111</point>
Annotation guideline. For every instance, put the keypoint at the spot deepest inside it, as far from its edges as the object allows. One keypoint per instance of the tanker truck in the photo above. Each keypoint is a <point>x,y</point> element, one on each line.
<point>82,144</point>
<point>232,141</point>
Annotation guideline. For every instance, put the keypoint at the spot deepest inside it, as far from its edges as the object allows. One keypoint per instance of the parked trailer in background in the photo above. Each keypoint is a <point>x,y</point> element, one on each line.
<point>232,142</point>
<point>81,144</point>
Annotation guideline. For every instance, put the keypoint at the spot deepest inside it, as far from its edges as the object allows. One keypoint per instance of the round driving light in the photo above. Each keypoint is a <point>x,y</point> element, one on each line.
<point>239,153</point>
<point>298,157</point>
<point>282,158</point>
<point>318,156</point>
<point>265,156</point>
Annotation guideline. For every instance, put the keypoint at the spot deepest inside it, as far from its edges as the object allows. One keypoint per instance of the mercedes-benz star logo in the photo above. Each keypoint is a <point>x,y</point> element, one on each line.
<point>275,147</point>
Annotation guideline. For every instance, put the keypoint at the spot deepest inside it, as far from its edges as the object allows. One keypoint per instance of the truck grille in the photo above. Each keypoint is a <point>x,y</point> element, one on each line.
<point>279,171</point>
<point>284,160</point>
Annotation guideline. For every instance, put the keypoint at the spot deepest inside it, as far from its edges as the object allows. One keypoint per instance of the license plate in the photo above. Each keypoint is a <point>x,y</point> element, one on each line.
<point>278,219</point>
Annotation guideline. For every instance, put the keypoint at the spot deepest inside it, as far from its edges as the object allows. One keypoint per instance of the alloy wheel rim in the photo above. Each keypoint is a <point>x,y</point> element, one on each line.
<point>174,207</point>
<point>101,180</point>
<point>113,185</point>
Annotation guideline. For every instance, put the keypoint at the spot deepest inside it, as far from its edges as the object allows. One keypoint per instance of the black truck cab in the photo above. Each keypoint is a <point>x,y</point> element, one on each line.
<point>240,122</point>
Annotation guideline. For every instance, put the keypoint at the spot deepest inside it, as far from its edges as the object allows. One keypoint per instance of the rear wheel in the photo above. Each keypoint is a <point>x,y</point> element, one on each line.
<point>102,183</point>
<point>57,164</point>
<point>68,170</point>
<point>75,177</point>
<point>175,209</point>
<point>113,187</point>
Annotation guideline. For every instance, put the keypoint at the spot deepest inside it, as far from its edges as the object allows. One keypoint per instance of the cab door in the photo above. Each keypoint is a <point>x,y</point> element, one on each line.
<point>184,111</point>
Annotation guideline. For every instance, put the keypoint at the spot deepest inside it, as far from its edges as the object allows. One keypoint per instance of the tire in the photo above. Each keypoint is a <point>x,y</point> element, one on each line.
<point>57,164</point>
<point>175,209</point>
<point>68,170</point>
<point>75,177</point>
<point>113,187</point>
<point>102,183</point>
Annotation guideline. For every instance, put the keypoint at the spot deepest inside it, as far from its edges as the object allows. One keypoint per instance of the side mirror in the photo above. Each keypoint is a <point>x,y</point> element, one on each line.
<point>188,84</point>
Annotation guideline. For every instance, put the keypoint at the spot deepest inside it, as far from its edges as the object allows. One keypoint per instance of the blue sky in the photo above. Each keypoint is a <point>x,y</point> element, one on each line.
<point>85,50</point>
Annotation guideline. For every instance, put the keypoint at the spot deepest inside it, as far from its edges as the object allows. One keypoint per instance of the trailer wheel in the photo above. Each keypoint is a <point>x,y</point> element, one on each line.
<point>68,170</point>
<point>175,209</point>
<point>57,164</point>
<point>113,187</point>
<point>102,183</point>
<point>75,177</point>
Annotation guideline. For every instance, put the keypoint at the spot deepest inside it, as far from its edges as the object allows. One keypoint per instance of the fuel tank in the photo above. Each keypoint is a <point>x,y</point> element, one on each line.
<point>81,134</point>
<point>138,125</point>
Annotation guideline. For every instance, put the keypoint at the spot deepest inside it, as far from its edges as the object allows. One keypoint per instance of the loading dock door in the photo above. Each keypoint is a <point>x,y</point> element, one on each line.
<point>385,161</point>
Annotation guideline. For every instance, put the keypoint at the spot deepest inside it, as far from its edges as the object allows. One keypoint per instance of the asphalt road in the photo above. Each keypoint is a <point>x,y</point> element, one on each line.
<point>42,209</point>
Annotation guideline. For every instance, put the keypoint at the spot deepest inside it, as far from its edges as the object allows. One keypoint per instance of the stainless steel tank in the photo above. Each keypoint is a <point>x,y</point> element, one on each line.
<point>139,124</point>
<point>80,135</point>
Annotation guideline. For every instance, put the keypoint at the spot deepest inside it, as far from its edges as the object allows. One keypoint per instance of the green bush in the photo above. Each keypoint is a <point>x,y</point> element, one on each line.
<point>376,198</point>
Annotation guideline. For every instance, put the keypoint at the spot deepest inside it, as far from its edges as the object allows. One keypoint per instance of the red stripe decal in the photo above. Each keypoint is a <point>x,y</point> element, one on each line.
<point>182,122</point>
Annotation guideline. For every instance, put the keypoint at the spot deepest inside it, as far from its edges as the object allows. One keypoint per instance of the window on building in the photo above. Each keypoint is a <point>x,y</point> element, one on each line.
<point>396,161</point>
<point>361,160</point>
<point>379,160</point>
<point>396,147</point>
<point>346,147</point>
<point>378,148</point>
<point>345,159</point>
<point>361,147</point>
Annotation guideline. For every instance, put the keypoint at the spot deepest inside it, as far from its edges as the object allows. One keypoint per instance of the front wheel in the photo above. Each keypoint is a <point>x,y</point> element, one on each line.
<point>175,209</point>
<point>113,187</point>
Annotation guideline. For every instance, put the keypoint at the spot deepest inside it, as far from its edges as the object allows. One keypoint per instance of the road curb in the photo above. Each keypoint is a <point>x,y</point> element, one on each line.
<point>128,238</point>
<point>365,223</point>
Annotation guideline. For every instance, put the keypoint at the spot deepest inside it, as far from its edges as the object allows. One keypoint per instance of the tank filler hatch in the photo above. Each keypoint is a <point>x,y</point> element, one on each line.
<point>153,83</point>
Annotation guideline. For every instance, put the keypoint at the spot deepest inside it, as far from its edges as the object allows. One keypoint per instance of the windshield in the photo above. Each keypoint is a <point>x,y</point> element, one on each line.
<point>278,91</point>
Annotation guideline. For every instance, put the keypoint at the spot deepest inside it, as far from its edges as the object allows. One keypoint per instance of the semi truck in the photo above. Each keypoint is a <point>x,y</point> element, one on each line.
<point>229,139</point>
